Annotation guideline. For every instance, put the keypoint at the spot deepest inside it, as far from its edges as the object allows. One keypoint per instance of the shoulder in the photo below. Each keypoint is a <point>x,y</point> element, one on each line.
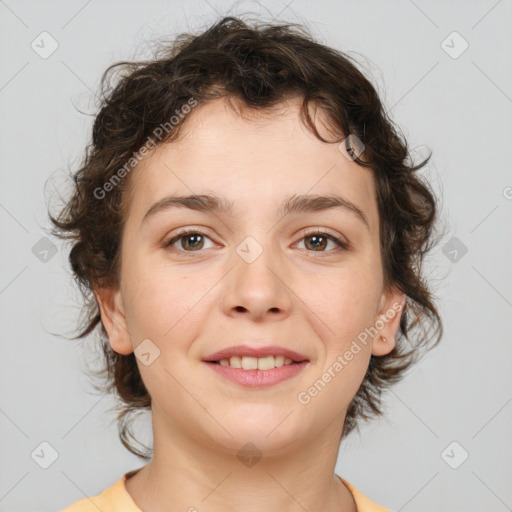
<point>113,499</point>
<point>363,503</point>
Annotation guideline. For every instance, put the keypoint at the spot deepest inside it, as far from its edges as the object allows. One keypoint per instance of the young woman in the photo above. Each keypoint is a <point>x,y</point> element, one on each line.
<point>248,233</point>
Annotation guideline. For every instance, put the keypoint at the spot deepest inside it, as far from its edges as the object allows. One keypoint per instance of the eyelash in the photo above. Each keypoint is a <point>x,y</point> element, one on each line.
<point>342,246</point>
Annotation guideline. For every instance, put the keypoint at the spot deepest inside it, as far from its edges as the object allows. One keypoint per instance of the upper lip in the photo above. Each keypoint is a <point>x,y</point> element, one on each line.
<point>245,350</point>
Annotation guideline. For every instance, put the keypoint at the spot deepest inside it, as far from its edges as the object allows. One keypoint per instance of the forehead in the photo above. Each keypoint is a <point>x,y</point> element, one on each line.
<point>251,158</point>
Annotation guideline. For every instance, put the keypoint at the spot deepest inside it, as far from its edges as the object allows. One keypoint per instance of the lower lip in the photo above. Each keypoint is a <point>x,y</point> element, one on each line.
<point>258,378</point>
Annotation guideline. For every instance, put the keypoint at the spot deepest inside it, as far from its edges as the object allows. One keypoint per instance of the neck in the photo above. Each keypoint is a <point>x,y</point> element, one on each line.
<point>190,473</point>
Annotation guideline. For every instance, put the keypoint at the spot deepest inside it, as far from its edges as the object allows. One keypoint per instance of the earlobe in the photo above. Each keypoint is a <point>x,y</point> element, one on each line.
<point>112,311</point>
<point>388,322</point>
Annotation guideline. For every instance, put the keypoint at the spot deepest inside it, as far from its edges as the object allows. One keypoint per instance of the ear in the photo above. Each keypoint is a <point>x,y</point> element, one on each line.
<point>113,317</point>
<point>392,304</point>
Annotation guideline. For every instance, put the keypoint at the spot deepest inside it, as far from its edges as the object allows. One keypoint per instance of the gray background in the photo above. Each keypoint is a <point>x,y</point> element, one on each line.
<point>459,107</point>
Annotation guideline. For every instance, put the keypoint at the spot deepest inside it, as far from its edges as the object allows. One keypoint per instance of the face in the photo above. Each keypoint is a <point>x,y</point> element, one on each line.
<point>308,280</point>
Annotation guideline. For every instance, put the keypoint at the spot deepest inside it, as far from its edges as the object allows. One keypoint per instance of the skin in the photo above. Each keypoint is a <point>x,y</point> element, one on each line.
<point>314,300</point>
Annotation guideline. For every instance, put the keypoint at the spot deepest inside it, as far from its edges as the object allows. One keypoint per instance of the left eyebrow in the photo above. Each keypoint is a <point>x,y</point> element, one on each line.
<point>211,203</point>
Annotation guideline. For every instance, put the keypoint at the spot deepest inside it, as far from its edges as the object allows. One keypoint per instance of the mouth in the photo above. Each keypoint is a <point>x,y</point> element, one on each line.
<point>256,367</point>
<point>256,378</point>
<point>265,363</point>
<point>256,358</point>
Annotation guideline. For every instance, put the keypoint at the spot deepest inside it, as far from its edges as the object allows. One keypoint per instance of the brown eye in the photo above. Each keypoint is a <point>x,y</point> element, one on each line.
<point>194,241</point>
<point>318,242</point>
<point>189,241</point>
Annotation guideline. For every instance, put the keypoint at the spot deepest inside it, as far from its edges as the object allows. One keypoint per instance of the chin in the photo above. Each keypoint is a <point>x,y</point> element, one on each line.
<point>269,436</point>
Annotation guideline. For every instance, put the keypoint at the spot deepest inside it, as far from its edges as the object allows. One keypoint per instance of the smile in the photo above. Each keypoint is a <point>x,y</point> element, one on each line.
<point>250,376</point>
<point>256,363</point>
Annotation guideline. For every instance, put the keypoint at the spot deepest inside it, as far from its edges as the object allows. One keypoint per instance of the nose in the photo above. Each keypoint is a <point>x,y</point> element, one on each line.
<point>259,289</point>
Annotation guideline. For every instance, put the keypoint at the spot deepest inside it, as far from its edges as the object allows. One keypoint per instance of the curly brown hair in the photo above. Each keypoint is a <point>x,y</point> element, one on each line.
<point>260,64</point>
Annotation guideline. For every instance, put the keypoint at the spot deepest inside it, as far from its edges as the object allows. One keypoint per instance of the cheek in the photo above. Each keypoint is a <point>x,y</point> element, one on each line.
<point>340,315</point>
<point>346,302</point>
<point>164,303</point>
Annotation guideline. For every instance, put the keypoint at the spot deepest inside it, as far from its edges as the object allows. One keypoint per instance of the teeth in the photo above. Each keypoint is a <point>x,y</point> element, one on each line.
<point>279,361</point>
<point>256,363</point>
<point>250,363</point>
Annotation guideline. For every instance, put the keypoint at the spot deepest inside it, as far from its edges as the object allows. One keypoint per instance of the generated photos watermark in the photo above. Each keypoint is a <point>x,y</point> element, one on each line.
<point>304,397</point>
<point>137,156</point>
